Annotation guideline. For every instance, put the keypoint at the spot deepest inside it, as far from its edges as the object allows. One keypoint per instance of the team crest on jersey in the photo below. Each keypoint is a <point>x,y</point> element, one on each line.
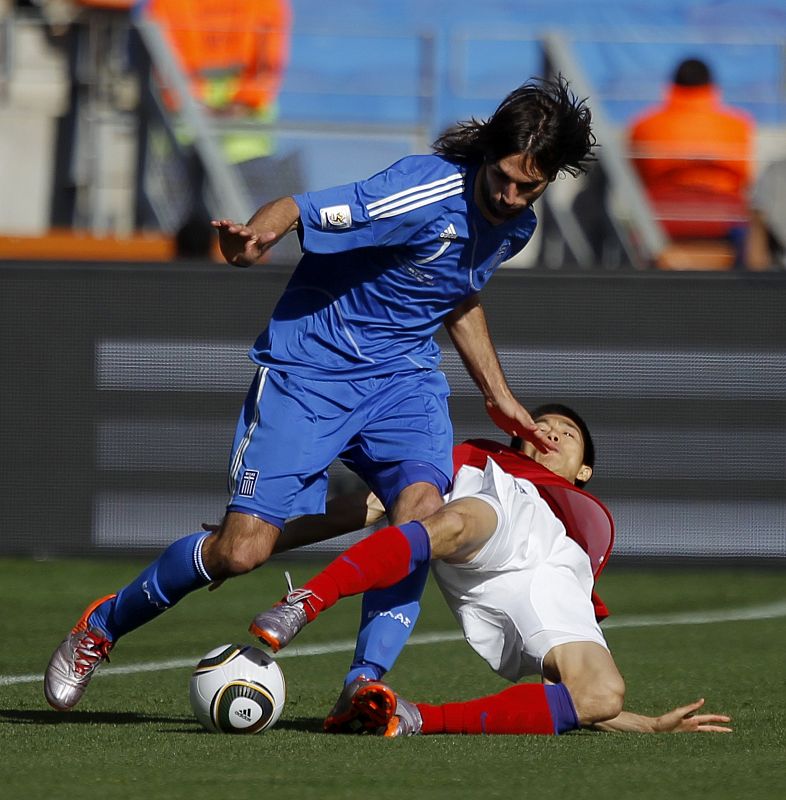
<point>335,217</point>
<point>248,483</point>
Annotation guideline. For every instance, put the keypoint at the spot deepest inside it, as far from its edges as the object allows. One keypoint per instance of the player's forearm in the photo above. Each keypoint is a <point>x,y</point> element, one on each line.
<point>246,245</point>
<point>470,335</point>
<point>627,722</point>
<point>279,217</point>
<point>683,719</point>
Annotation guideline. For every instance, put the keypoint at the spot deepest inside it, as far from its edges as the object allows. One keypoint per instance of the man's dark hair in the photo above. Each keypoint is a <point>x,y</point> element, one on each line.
<point>541,118</point>
<point>693,72</point>
<point>573,416</point>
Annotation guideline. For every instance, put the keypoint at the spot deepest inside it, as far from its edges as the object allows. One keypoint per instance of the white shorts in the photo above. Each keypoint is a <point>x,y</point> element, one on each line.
<point>529,589</point>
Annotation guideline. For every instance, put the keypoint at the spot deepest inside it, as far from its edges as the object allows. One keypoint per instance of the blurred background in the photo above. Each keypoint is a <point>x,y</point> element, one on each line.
<point>652,298</point>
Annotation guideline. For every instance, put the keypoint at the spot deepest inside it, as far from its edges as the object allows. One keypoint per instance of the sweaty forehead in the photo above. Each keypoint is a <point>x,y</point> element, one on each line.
<point>521,167</point>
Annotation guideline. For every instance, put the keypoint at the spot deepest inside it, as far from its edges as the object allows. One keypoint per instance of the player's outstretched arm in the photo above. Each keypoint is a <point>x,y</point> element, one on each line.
<point>244,245</point>
<point>682,719</point>
<point>468,330</point>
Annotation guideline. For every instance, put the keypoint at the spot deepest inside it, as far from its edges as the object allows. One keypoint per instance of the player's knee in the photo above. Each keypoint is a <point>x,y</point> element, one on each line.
<point>599,700</point>
<point>237,561</point>
<point>228,556</point>
<point>429,503</point>
<point>417,501</point>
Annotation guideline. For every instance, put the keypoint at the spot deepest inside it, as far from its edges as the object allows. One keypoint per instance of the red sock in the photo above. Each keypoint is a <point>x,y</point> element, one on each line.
<point>376,562</point>
<point>520,709</point>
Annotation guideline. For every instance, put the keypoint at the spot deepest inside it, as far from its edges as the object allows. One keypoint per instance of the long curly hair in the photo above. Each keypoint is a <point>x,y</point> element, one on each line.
<point>541,118</point>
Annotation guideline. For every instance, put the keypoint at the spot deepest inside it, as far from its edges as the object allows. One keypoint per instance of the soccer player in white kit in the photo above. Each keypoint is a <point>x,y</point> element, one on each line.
<point>516,567</point>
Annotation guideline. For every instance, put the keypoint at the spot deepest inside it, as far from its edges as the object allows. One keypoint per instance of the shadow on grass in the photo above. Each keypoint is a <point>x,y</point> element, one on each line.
<point>46,717</point>
<point>184,724</point>
<point>301,725</point>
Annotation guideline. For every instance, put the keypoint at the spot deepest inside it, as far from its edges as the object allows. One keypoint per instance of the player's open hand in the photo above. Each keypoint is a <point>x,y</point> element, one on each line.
<point>510,416</point>
<point>685,720</point>
<point>241,245</point>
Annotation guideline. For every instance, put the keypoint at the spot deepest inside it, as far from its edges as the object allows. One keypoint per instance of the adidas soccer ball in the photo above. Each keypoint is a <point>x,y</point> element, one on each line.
<point>237,689</point>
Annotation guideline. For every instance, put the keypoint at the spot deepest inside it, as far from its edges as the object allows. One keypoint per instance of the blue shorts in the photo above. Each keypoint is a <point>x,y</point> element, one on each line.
<point>392,431</point>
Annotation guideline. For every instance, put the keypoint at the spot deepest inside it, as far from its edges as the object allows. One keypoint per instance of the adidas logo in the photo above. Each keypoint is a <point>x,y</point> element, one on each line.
<point>244,714</point>
<point>449,233</point>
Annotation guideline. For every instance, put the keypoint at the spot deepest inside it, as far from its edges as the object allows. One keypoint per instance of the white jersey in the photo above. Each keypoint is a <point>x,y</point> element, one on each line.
<point>529,588</point>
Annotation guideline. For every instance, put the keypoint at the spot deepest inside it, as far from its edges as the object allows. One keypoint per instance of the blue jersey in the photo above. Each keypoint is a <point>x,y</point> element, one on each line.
<point>385,260</point>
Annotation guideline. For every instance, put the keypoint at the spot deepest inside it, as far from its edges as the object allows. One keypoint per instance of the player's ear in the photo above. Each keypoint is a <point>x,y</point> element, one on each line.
<point>584,473</point>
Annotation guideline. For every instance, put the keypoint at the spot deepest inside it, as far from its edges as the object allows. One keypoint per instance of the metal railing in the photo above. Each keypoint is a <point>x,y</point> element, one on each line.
<point>430,81</point>
<point>630,214</point>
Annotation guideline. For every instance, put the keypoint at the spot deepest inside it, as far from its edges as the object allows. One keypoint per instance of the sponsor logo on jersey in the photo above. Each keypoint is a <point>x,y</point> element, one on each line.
<point>449,233</point>
<point>335,217</point>
<point>248,483</point>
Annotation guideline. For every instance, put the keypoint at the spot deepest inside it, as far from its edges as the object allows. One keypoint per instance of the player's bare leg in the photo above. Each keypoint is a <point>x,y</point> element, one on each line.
<point>241,544</point>
<point>589,673</point>
<point>416,501</point>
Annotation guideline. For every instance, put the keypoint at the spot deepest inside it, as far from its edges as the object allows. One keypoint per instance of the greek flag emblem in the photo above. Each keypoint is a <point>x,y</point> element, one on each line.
<point>248,483</point>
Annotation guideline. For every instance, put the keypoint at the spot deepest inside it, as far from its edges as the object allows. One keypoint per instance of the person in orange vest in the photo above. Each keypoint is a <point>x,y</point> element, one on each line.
<point>694,155</point>
<point>234,53</point>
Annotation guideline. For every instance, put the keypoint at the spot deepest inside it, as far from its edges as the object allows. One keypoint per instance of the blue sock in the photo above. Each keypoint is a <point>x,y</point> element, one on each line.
<point>419,543</point>
<point>563,712</point>
<point>175,573</point>
<point>387,620</point>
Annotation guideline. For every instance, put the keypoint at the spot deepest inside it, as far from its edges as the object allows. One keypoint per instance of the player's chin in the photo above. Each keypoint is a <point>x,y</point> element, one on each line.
<point>508,212</point>
<point>551,451</point>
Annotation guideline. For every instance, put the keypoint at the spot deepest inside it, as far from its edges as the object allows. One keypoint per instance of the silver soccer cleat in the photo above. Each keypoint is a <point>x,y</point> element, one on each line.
<point>279,625</point>
<point>406,721</point>
<point>75,661</point>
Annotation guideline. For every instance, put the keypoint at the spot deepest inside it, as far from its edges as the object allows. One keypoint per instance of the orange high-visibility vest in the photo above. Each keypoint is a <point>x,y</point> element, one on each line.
<point>695,158</point>
<point>243,41</point>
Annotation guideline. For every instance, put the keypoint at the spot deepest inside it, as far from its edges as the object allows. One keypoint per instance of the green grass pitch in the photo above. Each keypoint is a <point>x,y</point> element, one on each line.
<point>676,634</point>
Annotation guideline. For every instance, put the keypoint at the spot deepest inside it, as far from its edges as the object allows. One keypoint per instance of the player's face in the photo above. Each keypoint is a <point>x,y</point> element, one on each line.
<point>568,459</point>
<point>505,188</point>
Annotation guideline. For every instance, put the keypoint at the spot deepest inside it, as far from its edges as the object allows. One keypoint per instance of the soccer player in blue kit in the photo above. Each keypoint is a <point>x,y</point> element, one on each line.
<point>348,366</point>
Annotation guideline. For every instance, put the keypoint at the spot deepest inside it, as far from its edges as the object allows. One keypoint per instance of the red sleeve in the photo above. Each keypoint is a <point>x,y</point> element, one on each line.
<point>601,609</point>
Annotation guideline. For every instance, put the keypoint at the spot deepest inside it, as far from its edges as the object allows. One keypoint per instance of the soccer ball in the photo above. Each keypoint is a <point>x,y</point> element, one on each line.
<point>237,689</point>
